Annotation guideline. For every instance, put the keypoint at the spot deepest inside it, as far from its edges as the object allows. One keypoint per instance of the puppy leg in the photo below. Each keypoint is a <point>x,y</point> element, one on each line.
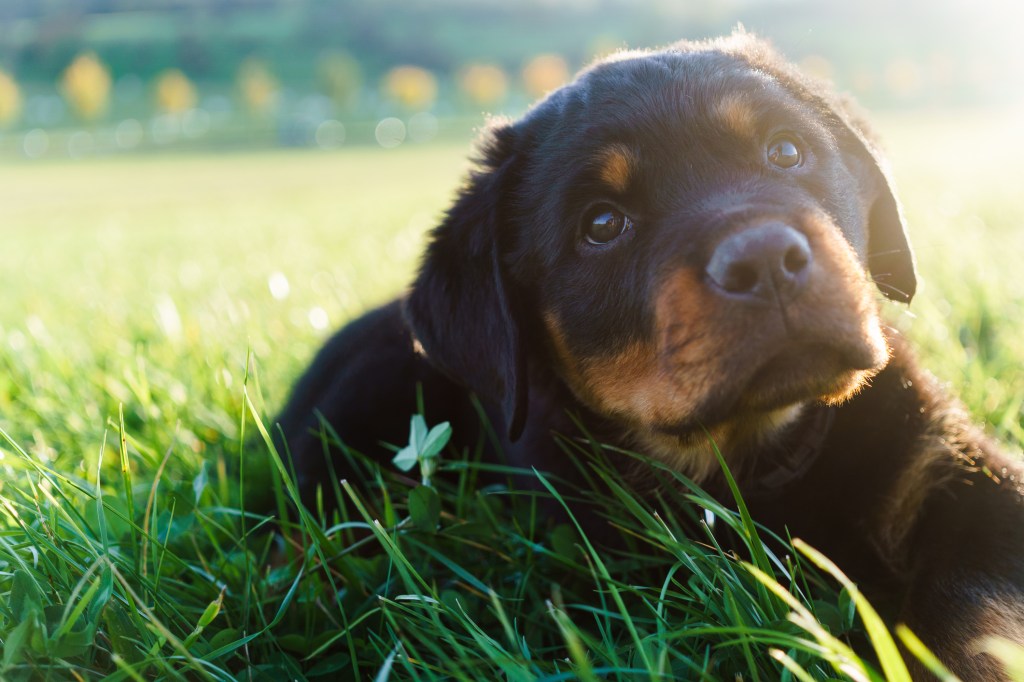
<point>953,615</point>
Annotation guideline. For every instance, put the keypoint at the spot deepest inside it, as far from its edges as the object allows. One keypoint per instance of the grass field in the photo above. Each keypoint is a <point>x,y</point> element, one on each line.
<point>154,306</point>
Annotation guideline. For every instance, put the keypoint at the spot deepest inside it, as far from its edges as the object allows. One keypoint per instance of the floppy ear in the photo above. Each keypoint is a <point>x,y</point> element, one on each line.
<point>461,309</point>
<point>890,259</point>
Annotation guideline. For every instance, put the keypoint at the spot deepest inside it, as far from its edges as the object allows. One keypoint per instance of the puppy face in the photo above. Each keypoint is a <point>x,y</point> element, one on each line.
<point>687,238</point>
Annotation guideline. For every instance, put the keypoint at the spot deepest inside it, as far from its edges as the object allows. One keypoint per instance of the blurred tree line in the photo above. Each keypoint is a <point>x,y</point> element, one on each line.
<point>84,60</point>
<point>209,39</point>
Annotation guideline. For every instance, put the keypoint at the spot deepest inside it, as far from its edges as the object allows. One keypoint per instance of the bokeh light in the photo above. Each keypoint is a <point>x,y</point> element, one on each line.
<point>35,143</point>
<point>340,77</point>
<point>279,286</point>
<point>10,99</point>
<point>318,318</point>
<point>544,73</point>
<point>903,78</point>
<point>330,134</point>
<point>258,86</point>
<point>412,87</point>
<point>390,132</point>
<point>175,93</point>
<point>80,143</point>
<point>484,84</point>
<point>86,86</point>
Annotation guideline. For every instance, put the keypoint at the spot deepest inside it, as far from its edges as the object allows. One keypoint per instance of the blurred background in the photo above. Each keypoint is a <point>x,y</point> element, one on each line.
<point>101,77</point>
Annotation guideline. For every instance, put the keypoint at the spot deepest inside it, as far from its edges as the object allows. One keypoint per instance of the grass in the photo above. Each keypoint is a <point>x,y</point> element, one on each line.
<point>155,311</point>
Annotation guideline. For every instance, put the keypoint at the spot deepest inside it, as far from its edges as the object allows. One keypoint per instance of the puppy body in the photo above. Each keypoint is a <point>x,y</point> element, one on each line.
<point>683,243</point>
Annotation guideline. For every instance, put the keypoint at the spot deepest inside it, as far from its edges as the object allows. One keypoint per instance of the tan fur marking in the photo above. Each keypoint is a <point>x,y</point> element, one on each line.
<point>696,456</point>
<point>642,382</point>
<point>736,113</point>
<point>566,361</point>
<point>617,164</point>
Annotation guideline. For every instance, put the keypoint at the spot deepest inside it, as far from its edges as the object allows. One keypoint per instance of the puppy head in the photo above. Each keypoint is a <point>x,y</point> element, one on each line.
<point>687,236</point>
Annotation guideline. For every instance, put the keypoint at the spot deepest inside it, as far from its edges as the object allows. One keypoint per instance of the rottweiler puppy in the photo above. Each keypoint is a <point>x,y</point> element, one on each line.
<point>687,242</point>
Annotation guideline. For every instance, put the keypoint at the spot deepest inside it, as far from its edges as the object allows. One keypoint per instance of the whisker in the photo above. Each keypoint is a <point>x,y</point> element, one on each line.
<point>890,252</point>
<point>885,286</point>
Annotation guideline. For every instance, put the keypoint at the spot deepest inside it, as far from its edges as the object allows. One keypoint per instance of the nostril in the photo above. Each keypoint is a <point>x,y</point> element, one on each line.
<point>740,278</point>
<point>796,260</point>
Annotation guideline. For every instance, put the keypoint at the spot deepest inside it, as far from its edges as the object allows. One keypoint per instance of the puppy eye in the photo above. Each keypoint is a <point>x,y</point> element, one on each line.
<point>605,225</point>
<point>784,152</point>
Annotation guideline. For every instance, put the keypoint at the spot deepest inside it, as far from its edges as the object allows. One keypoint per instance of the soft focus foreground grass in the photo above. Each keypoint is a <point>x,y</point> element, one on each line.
<point>144,281</point>
<point>141,285</point>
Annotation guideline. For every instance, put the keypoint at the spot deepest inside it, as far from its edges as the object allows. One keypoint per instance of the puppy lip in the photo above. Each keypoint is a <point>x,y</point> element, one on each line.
<point>799,364</point>
<point>808,370</point>
<point>799,371</point>
<point>850,353</point>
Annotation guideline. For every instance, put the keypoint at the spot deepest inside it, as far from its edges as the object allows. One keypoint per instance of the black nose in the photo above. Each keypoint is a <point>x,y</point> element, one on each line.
<point>764,262</point>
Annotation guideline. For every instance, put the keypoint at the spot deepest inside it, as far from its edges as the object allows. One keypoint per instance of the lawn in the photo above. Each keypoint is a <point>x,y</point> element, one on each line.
<point>155,307</point>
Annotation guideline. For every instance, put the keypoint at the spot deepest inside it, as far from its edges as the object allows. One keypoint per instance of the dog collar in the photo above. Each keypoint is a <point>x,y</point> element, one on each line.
<point>774,472</point>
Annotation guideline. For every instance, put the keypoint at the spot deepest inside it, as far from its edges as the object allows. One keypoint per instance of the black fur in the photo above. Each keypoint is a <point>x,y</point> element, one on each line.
<point>903,493</point>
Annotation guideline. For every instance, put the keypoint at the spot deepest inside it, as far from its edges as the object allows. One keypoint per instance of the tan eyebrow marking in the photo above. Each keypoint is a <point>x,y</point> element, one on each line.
<point>617,163</point>
<point>737,113</point>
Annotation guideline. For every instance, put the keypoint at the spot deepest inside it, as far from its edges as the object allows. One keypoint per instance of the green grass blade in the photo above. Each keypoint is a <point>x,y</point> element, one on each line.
<point>885,647</point>
<point>923,654</point>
